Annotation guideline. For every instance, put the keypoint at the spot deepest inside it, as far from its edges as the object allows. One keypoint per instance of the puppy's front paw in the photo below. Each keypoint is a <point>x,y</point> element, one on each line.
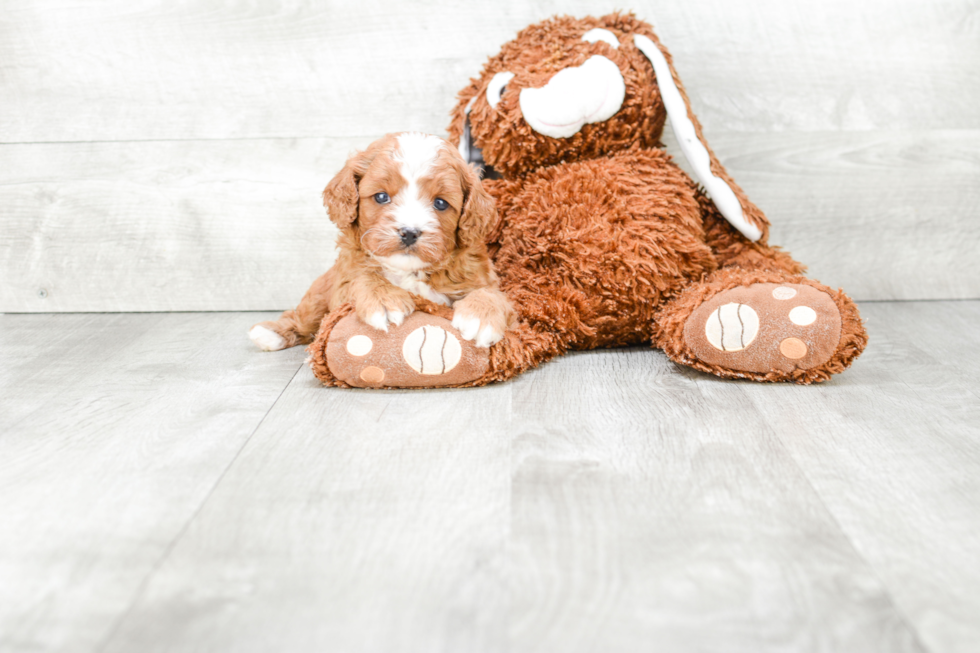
<point>483,316</point>
<point>380,311</point>
<point>471,328</point>
<point>266,339</point>
<point>381,318</point>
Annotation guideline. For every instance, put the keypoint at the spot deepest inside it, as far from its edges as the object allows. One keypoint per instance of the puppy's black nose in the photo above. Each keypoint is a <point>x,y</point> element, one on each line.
<point>409,236</point>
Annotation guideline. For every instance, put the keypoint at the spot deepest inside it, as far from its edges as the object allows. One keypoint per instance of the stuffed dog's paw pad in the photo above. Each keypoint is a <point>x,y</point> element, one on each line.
<point>359,345</point>
<point>765,328</point>
<point>802,316</point>
<point>793,348</point>
<point>431,350</point>
<point>372,375</point>
<point>732,327</point>
<point>425,351</point>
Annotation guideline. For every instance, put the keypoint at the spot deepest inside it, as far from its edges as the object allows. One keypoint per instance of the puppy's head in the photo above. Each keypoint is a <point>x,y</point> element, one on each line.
<point>410,201</point>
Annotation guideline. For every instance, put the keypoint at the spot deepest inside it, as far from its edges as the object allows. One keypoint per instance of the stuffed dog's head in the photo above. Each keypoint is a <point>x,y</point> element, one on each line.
<point>565,89</point>
<point>410,201</point>
<point>570,89</point>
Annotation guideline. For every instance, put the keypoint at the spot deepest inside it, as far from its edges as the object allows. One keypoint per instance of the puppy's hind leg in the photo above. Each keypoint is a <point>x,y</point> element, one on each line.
<point>296,326</point>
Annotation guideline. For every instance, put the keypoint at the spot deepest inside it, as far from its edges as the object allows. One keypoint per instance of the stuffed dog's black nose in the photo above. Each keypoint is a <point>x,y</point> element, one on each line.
<point>409,236</point>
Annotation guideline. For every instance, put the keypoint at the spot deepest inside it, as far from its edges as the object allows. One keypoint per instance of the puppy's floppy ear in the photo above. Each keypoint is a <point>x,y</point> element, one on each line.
<point>727,196</point>
<point>341,197</point>
<point>479,215</point>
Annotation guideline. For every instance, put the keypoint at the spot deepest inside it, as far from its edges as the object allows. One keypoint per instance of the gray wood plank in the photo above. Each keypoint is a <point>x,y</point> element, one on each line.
<point>124,70</point>
<point>607,501</point>
<point>234,225</point>
<point>113,431</point>
<point>352,521</point>
<point>893,449</point>
<point>200,225</point>
<point>656,509</point>
<point>617,502</point>
<point>884,215</point>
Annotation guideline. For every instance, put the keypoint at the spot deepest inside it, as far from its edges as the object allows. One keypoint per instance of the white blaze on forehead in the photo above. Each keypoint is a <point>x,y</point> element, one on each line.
<point>599,34</point>
<point>574,97</point>
<point>721,193</point>
<point>416,153</point>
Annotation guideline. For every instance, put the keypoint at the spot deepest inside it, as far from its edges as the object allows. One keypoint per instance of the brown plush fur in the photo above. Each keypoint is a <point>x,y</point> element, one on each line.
<point>602,240</point>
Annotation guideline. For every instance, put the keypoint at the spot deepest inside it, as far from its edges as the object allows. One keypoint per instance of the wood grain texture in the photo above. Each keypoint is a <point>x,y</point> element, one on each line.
<point>609,501</point>
<point>656,509</point>
<point>133,70</point>
<point>353,521</point>
<point>226,225</point>
<point>113,431</point>
<point>202,225</point>
<point>893,449</point>
<point>884,215</point>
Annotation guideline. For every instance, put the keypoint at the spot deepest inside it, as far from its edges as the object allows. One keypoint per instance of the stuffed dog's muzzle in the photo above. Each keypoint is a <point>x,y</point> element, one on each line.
<point>574,97</point>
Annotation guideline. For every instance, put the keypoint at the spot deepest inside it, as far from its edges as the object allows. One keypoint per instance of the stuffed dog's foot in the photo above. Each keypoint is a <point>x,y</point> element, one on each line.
<point>425,351</point>
<point>765,327</point>
<point>796,330</point>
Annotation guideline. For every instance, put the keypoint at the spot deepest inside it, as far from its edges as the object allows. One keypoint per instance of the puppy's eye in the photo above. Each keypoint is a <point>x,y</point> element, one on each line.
<point>381,198</point>
<point>440,204</point>
<point>496,88</point>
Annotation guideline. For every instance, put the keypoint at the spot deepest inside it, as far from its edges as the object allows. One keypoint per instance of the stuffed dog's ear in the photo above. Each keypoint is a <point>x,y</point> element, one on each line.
<point>730,200</point>
<point>479,214</point>
<point>340,197</point>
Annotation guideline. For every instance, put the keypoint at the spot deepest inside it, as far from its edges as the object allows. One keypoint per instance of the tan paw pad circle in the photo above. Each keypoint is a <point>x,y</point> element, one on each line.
<point>359,345</point>
<point>372,375</point>
<point>782,292</point>
<point>793,348</point>
<point>431,350</point>
<point>732,327</point>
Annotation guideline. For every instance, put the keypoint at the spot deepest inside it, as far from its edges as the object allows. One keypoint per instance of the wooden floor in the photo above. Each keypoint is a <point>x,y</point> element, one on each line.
<point>164,487</point>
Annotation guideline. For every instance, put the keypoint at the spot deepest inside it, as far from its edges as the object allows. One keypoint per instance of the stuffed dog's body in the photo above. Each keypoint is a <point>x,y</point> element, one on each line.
<point>602,240</point>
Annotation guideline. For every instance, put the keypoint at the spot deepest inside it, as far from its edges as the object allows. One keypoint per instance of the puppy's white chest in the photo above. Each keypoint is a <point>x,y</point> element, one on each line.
<point>414,282</point>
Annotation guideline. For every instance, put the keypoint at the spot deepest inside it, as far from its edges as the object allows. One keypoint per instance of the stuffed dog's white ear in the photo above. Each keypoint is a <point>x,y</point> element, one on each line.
<point>726,195</point>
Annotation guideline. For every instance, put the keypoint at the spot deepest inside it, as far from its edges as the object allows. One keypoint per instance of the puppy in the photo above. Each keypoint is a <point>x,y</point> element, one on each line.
<point>413,218</point>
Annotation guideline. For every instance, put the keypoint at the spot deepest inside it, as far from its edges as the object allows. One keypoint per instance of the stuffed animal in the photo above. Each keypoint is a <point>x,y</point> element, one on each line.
<point>602,241</point>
